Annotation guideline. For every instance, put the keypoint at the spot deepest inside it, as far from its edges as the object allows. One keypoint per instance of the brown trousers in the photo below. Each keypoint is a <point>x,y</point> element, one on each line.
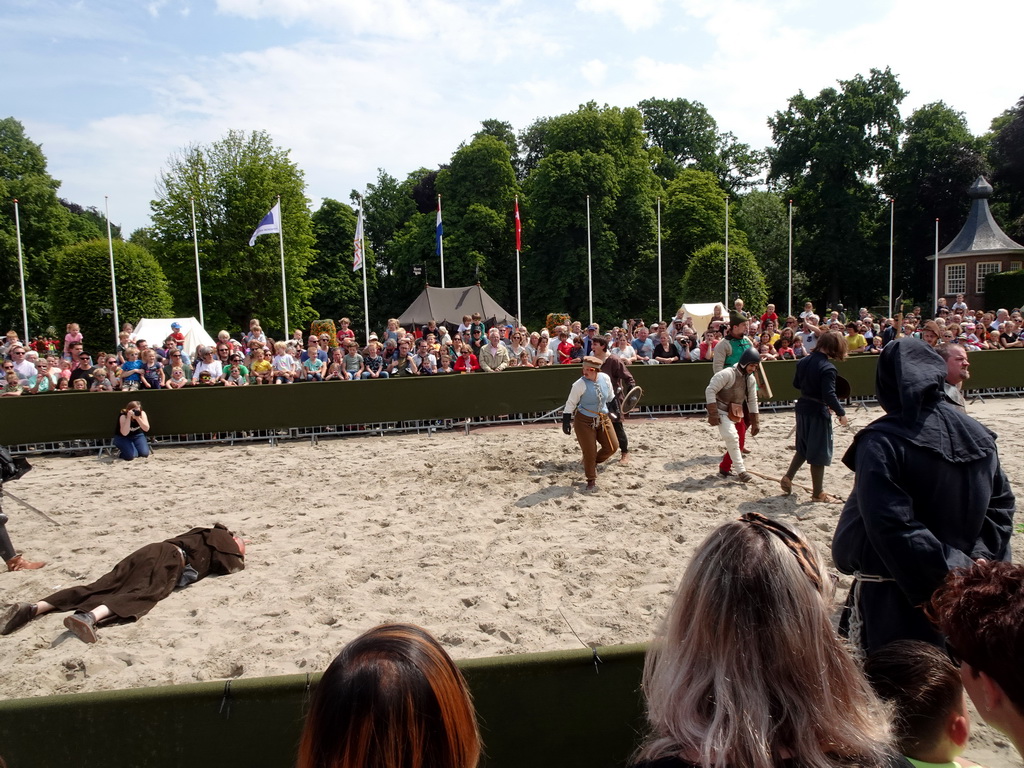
<point>590,435</point>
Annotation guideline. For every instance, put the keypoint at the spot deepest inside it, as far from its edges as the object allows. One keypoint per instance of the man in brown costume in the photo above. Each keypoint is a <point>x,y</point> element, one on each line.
<point>137,583</point>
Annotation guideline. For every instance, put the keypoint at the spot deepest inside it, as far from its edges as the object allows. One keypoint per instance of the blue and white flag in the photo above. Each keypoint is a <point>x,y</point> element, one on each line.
<point>440,227</point>
<point>269,224</point>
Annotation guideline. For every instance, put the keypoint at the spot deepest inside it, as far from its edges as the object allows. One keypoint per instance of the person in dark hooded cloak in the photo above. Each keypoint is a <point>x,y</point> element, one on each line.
<point>137,583</point>
<point>929,495</point>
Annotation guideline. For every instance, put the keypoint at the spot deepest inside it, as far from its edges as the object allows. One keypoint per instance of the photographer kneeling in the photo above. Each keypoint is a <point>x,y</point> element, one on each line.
<point>132,426</point>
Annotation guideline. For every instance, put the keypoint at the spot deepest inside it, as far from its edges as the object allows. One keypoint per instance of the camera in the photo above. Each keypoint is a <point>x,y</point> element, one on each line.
<point>137,411</point>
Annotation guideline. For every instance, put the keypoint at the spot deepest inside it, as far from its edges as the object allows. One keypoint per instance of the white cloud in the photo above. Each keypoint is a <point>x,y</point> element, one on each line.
<point>635,15</point>
<point>594,71</point>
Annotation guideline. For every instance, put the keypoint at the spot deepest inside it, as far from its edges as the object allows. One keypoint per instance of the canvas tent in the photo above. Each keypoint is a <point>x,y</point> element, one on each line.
<point>701,314</point>
<point>448,305</point>
<point>155,329</point>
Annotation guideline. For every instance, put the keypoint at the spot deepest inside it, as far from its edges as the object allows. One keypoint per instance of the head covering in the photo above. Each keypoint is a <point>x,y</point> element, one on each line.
<point>908,385</point>
<point>735,318</point>
<point>592,362</point>
<point>750,356</point>
<point>932,326</point>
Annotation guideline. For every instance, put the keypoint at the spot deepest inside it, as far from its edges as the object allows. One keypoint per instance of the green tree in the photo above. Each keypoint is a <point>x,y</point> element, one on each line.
<point>688,137</point>
<point>234,182</point>
<point>387,206</point>
<point>828,150</point>
<point>704,280</point>
<point>928,177</point>
<point>693,215</point>
<point>597,152</point>
<point>764,217</point>
<point>45,225</point>
<point>81,291</point>
<point>502,131</point>
<point>1006,155</point>
<point>478,190</point>
<point>337,289</point>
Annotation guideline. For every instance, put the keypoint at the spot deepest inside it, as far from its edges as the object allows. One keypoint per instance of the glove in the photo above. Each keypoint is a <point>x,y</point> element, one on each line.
<point>755,423</point>
<point>713,418</point>
<point>567,423</point>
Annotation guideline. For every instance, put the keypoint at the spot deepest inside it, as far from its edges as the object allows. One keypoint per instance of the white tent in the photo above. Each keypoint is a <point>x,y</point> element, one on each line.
<point>155,329</point>
<point>701,314</point>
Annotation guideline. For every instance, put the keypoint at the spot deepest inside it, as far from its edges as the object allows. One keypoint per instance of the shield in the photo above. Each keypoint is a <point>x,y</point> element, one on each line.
<point>629,402</point>
<point>842,388</point>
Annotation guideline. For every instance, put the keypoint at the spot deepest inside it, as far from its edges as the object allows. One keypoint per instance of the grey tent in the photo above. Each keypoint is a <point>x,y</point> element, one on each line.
<point>448,305</point>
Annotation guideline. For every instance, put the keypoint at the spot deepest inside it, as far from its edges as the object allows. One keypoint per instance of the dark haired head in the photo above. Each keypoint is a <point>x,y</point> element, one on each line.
<point>391,699</point>
<point>924,688</point>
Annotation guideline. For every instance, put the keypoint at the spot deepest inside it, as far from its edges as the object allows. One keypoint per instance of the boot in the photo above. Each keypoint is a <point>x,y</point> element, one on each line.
<point>19,563</point>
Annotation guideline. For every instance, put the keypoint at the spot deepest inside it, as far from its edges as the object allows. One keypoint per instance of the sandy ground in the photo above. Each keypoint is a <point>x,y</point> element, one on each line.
<point>482,538</point>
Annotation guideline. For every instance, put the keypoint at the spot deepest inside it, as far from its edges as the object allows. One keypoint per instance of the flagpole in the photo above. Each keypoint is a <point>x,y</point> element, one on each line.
<point>519,245</point>
<point>892,230</point>
<point>362,251</point>
<point>199,280</point>
<point>789,308</point>
<point>284,283</point>
<point>440,239</point>
<point>21,273</point>
<point>726,253</point>
<point>590,269</point>
<point>935,294</point>
<point>113,278</point>
<point>660,314</point>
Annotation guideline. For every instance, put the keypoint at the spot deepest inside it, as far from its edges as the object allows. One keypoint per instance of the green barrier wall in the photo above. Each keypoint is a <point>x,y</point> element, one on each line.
<point>87,415</point>
<point>535,710</point>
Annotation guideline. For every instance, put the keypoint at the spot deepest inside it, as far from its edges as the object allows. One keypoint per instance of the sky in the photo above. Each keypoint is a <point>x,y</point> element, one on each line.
<point>113,88</point>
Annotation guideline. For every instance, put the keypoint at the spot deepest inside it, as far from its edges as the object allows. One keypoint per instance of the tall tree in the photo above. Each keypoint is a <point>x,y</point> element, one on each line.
<point>688,137</point>
<point>81,290</point>
<point>337,289</point>
<point>478,190</point>
<point>45,225</point>
<point>928,177</point>
<point>764,217</point>
<point>1006,155</point>
<point>234,182</point>
<point>704,280</point>
<point>597,152</point>
<point>387,206</point>
<point>828,149</point>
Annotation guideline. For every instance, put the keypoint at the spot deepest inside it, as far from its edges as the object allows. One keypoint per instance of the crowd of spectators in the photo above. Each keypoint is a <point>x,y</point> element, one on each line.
<point>47,365</point>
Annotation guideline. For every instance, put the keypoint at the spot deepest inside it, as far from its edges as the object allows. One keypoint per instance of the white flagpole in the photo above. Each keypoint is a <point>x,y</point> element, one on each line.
<point>660,314</point>
<point>935,293</point>
<point>21,273</point>
<point>789,308</point>
<point>727,253</point>
<point>362,250</point>
<point>892,231</point>
<point>590,272</point>
<point>440,240</point>
<point>199,280</point>
<point>113,278</point>
<point>284,283</point>
<point>519,290</point>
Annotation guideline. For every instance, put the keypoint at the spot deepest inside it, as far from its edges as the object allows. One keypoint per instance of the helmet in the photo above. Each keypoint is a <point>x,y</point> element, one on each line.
<point>750,356</point>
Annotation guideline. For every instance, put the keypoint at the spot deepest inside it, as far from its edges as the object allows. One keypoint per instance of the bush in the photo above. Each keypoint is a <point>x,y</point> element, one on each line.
<point>704,281</point>
<point>80,289</point>
<point>1004,289</point>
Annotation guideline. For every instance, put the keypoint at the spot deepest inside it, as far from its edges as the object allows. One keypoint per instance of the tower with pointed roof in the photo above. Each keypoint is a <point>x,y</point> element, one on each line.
<point>980,249</point>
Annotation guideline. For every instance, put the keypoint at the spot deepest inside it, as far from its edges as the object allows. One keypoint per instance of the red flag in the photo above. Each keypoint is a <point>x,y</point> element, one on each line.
<point>519,229</point>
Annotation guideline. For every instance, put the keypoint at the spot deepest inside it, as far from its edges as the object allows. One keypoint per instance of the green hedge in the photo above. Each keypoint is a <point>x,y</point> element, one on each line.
<point>1005,289</point>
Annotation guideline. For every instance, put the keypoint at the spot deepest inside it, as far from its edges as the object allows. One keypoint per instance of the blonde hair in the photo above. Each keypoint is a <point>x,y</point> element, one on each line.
<point>747,665</point>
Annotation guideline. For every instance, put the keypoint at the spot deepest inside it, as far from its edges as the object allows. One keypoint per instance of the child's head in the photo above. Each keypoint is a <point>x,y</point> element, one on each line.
<point>11,377</point>
<point>257,353</point>
<point>131,353</point>
<point>100,375</point>
<point>924,687</point>
<point>72,327</point>
<point>254,325</point>
<point>124,336</point>
<point>280,347</point>
<point>79,384</point>
<point>62,384</point>
<point>345,322</point>
<point>149,356</point>
<point>177,373</point>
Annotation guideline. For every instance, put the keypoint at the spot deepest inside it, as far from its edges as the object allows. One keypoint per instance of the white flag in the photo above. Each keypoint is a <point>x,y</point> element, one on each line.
<point>357,259</point>
<point>269,224</point>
